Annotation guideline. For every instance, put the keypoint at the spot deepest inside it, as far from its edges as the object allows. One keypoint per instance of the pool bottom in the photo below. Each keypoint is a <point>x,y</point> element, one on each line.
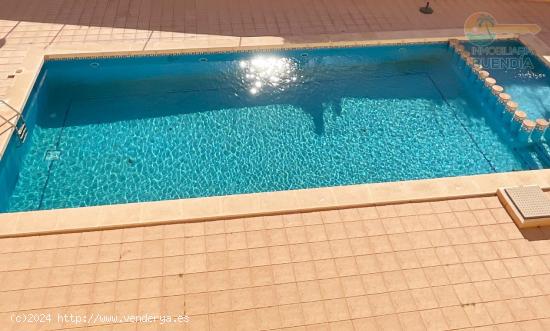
<point>221,151</point>
<point>158,128</point>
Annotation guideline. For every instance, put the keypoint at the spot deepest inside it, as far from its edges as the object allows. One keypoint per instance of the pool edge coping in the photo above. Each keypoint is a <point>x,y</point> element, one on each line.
<point>242,205</point>
<point>262,204</point>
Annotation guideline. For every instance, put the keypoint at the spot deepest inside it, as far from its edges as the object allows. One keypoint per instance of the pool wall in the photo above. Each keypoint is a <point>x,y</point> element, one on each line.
<point>12,151</point>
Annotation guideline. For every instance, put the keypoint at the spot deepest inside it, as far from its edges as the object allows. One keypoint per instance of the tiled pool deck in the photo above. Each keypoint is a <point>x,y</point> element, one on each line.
<point>154,24</point>
<point>447,264</point>
<point>455,264</point>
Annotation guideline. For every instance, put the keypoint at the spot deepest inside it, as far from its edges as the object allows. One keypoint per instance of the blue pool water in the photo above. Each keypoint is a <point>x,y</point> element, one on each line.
<point>107,131</point>
<point>522,74</point>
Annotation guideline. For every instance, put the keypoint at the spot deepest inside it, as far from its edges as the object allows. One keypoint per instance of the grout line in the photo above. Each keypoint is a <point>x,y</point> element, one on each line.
<point>55,37</point>
<point>509,221</point>
<point>52,162</point>
<point>544,295</point>
<point>470,135</point>
<point>373,255</point>
<point>147,42</point>
<point>5,37</point>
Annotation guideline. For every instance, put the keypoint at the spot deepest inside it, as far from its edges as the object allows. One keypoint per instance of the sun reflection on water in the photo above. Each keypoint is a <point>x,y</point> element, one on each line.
<point>262,73</point>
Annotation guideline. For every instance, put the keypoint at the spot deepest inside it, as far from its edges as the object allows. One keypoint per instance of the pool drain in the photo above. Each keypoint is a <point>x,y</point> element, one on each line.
<point>203,59</point>
<point>94,65</point>
<point>52,155</point>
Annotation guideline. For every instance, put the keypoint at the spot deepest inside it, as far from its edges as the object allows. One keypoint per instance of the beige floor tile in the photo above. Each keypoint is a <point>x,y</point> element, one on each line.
<point>279,271</point>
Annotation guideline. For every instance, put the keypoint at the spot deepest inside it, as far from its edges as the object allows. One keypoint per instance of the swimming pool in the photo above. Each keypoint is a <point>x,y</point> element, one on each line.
<point>115,130</point>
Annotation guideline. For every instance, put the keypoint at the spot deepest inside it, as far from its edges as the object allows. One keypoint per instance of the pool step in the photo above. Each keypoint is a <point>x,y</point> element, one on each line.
<point>543,150</point>
<point>533,157</point>
<point>537,162</point>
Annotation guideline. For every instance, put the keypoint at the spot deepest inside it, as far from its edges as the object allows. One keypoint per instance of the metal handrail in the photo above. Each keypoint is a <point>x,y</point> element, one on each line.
<point>10,107</point>
<point>18,116</point>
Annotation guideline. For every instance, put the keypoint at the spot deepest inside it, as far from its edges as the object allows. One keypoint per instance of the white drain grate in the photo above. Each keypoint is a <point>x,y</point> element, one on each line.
<point>530,201</point>
<point>52,155</point>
